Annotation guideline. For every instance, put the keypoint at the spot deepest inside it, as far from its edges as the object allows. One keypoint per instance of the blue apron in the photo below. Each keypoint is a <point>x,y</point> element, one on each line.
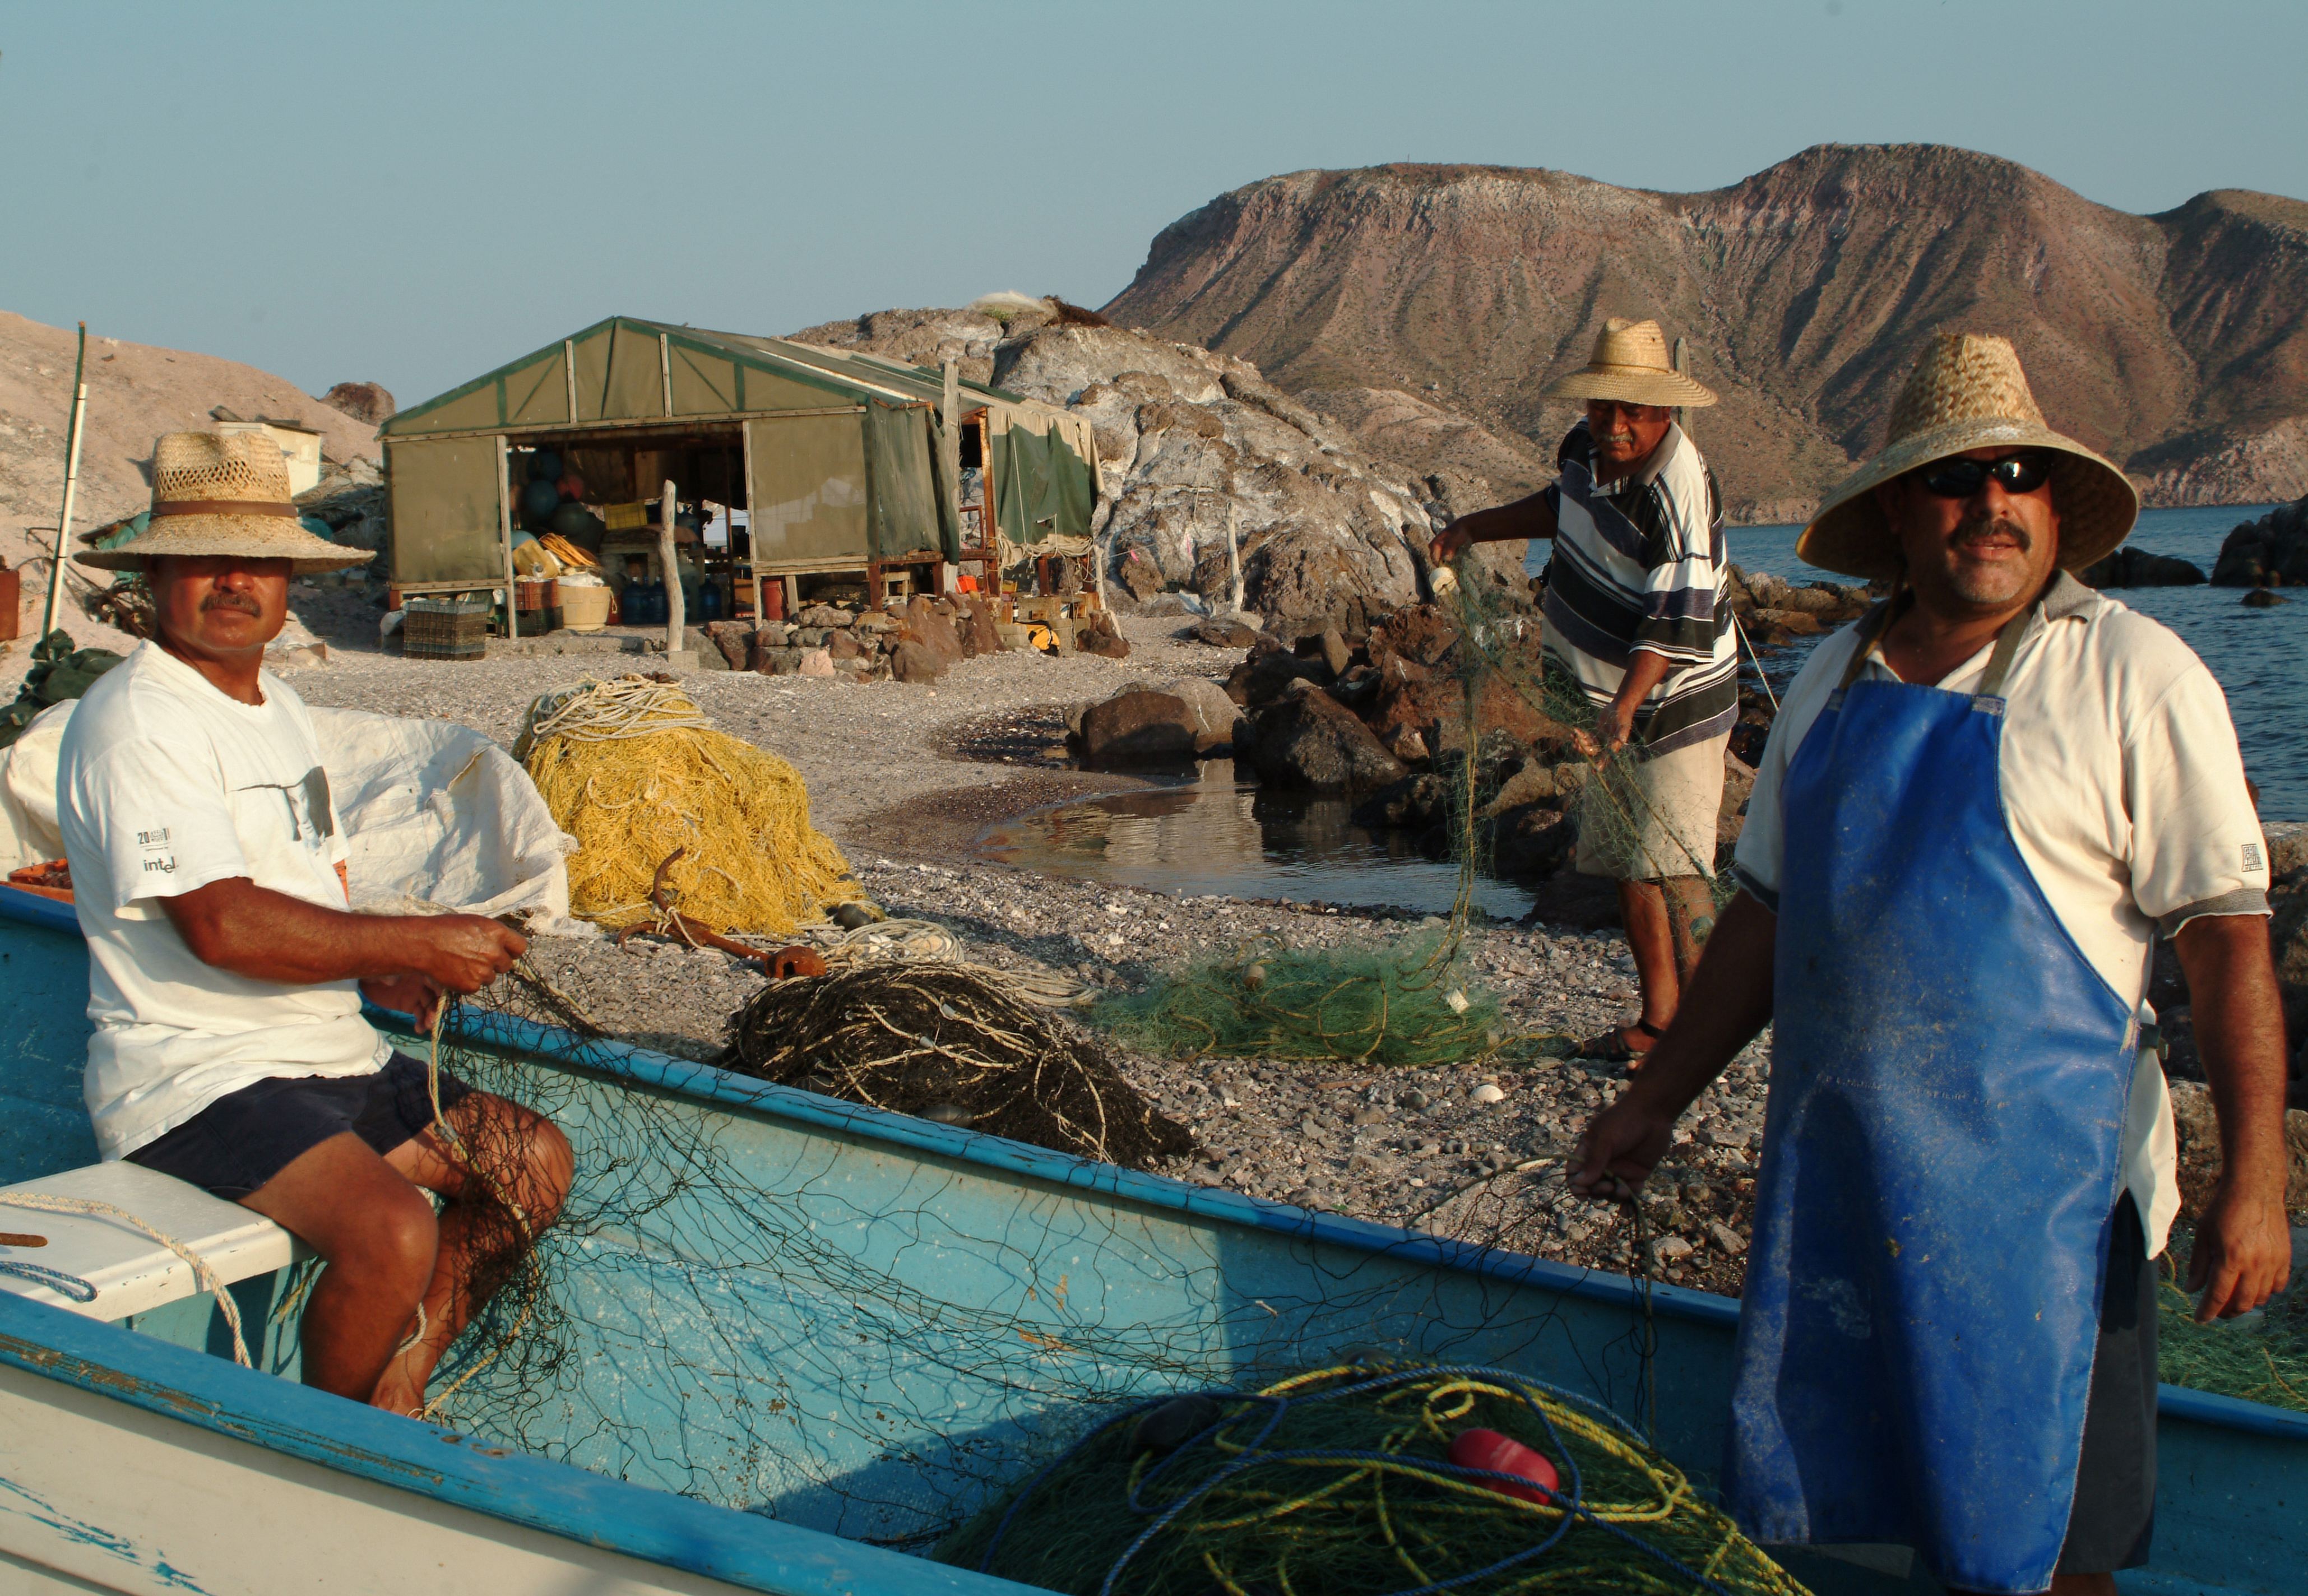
<point>1941,1160</point>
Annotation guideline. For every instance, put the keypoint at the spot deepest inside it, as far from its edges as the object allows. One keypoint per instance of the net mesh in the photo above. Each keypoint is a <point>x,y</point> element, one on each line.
<point>880,1346</point>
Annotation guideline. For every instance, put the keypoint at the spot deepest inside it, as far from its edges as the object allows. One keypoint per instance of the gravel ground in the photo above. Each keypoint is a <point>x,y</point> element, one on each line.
<point>903,776</point>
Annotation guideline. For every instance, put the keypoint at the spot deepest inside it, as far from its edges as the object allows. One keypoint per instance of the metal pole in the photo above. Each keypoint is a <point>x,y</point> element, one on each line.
<point>72,481</point>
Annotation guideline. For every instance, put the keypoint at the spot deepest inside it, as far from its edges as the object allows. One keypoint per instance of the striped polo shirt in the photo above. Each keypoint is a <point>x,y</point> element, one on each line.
<point>1638,568</point>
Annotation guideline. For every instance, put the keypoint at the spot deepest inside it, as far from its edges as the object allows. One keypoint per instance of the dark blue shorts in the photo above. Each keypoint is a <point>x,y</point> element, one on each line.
<point>242,1139</point>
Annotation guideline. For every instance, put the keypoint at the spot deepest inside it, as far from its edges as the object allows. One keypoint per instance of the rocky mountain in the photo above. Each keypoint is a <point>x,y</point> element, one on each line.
<point>1439,300</point>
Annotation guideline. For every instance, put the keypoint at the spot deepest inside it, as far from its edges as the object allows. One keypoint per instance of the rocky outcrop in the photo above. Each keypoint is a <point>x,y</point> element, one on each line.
<point>2271,552</point>
<point>363,401</point>
<point>2136,568</point>
<point>1192,445</point>
<point>917,337</point>
<point>917,643</point>
<point>2176,344</point>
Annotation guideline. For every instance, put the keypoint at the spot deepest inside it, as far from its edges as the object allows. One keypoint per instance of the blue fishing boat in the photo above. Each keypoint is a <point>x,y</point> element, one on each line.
<point>788,1341</point>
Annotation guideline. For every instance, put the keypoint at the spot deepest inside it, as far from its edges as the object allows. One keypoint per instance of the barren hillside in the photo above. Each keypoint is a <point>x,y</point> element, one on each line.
<point>2176,343</point>
<point>135,393</point>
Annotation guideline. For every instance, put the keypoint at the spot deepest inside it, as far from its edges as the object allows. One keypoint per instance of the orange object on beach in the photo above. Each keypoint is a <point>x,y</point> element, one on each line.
<point>51,879</point>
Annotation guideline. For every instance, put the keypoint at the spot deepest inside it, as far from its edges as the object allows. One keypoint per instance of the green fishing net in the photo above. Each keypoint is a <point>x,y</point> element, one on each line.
<point>1343,1479</point>
<point>2260,1357</point>
<point>1410,1005</point>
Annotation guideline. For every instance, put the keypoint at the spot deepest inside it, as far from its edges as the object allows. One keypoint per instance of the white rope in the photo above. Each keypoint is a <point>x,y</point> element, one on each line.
<point>925,942</point>
<point>606,711</point>
<point>206,1276</point>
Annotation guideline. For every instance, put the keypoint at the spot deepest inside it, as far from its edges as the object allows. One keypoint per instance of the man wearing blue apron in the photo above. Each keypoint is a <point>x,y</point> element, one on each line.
<point>1979,807</point>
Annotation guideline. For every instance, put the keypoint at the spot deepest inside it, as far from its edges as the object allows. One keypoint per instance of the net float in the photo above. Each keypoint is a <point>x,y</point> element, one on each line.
<point>1488,1450</point>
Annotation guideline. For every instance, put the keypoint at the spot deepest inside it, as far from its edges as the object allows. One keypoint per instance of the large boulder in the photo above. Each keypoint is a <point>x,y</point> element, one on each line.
<point>1215,715</point>
<point>912,662</point>
<point>934,631</point>
<point>977,625</point>
<point>2270,552</point>
<point>1307,740</point>
<point>1198,450</point>
<point>1139,728</point>
<point>2136,568</point>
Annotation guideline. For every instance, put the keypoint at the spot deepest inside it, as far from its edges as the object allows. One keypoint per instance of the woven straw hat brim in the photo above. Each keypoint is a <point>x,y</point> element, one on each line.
<point>1630,385</point>
<point>1852,536</point>
<point>248,536</point>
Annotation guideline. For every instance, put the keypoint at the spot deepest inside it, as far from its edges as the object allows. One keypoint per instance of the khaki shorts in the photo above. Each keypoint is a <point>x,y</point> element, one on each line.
<point>1646,819</point>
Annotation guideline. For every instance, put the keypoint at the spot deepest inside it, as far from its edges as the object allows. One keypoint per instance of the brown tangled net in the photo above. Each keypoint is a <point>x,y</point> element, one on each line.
<point>949,1043</point>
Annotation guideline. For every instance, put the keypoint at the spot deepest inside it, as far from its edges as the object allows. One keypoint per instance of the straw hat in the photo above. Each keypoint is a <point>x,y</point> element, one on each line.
<point>1630,364</point>
<point>223,494</point>
<point>1968,392</point>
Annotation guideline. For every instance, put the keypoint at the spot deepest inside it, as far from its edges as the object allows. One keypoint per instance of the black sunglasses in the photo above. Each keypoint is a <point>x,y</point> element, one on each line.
<point>1962,477</point>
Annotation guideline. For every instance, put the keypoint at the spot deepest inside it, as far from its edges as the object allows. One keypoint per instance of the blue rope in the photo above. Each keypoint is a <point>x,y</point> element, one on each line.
<point>70,1285</point>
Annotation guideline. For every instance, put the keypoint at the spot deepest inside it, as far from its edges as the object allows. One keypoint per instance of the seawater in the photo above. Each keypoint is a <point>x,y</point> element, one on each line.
<point>2260,658</point>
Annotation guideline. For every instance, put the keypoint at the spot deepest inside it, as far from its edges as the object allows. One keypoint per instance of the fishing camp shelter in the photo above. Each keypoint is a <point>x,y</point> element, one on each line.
<point>845,462</point>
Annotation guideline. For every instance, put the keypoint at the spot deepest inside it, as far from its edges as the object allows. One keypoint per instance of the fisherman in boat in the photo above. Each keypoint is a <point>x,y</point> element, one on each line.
<point>226,973</point>
<point>1638,632</point>
<point>1979,807</point>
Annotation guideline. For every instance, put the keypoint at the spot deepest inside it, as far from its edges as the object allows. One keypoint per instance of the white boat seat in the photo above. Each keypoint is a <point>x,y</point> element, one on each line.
<point>131,1273</point>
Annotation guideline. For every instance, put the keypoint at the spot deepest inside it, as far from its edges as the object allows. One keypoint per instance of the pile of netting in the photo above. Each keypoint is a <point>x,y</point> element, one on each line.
<point>1406,1005</point>
<point>953,1044</point>
<point>1409,1005</point>
<point>633,770</point>
<point>1342,1479</point>
<point>2261,1359</point>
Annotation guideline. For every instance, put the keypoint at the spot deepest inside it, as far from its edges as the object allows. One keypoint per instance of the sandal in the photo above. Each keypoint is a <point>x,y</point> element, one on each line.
<point>1612,1048</point>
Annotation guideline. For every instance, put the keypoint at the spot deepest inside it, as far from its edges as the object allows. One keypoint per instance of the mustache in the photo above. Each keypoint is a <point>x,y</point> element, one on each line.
<point>1979,528</point>
<point>222,600</point>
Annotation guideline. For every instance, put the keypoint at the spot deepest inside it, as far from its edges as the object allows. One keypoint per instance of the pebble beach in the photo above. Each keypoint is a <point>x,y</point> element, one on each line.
<point>904,776</point>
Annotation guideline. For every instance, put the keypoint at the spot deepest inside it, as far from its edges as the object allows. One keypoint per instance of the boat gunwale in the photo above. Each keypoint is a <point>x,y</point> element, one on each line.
<point>724,1088</point>
<point>652,1526</point>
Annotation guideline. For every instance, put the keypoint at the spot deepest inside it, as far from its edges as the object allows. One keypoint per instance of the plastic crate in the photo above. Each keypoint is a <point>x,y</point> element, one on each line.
<point>454,628</point>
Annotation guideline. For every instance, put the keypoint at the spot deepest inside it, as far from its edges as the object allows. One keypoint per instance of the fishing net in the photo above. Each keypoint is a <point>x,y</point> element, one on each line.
<point>1405,1006</point>
<point>949,1043</point>
<point>2259,1357</point>
<point>1505,707</point>
<point>768,1313</point>
<point>633,770</point>
<point>1342,1479</point>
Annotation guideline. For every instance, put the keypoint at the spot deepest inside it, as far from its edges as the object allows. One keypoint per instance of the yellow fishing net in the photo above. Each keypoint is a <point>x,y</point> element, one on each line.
<point>632,769</point>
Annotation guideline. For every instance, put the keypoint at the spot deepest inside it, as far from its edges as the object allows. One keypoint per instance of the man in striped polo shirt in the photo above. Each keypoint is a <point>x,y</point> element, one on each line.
<point>1638,632</point>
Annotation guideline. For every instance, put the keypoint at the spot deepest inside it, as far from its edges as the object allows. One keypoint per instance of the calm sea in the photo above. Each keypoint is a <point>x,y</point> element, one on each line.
<point>2261,656</point>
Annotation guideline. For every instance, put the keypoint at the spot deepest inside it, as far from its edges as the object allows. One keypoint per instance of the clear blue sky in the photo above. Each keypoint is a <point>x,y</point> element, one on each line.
<point>415,192</point>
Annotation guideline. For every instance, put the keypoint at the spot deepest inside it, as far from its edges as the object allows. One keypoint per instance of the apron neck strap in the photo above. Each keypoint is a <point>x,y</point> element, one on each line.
<point>2007,648</point>
<point>1873,630</point>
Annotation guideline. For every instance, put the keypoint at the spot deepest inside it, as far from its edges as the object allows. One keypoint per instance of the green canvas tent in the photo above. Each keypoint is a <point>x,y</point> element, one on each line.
<point>835,454</point>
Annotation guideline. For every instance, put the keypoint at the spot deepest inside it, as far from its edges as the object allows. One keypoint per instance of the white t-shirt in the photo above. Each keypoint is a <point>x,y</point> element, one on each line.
<point>2125,796</point>
<point>164,785</point>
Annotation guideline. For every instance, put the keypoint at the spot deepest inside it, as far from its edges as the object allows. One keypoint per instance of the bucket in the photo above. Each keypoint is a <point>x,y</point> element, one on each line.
<point>584,609</point>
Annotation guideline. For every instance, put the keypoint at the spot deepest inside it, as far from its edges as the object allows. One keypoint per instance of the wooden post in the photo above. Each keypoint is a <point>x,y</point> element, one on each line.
<point>950,457</point>
<point>676,609</point>
<point>75,425</point>
<point>504,531</point>
<point>1234,555</point>
<point>1682,416</point>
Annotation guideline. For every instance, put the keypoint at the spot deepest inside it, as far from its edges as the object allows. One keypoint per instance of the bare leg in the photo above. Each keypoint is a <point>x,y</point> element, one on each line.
<point>490,1218</point>
<point>1660,918</point>
<point>377,1235</point>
